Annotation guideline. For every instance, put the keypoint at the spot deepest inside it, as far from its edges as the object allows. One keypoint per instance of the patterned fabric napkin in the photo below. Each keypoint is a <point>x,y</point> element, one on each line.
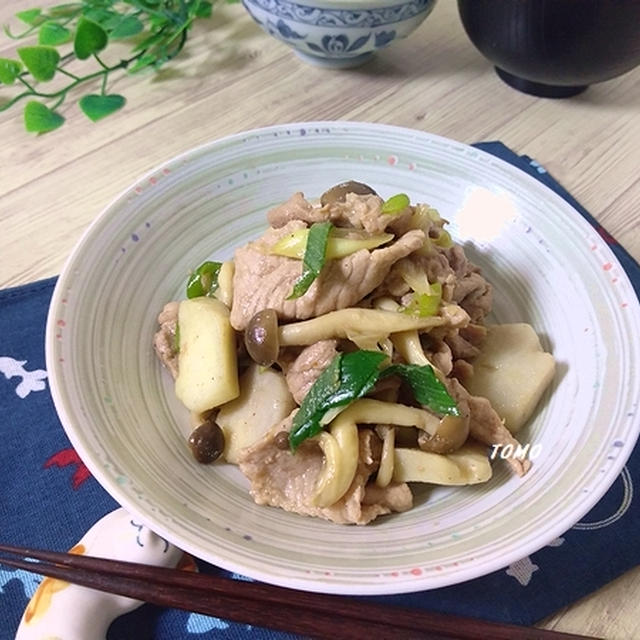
<point>48,498</point>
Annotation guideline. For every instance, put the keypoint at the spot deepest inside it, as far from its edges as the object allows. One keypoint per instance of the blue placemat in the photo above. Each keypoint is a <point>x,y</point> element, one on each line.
<point>48,499</point>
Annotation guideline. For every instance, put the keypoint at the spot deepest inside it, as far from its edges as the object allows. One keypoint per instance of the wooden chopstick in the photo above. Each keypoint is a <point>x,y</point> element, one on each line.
<point>312,614</point>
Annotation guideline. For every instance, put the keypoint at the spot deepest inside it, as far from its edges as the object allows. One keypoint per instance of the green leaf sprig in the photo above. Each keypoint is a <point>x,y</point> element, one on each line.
<point>81,30</point>
<point>350,376</point>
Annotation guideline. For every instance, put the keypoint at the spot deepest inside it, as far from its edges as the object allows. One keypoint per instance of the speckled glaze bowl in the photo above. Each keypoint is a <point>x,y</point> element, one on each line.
<point>548,266</point>
<point>338,33</point>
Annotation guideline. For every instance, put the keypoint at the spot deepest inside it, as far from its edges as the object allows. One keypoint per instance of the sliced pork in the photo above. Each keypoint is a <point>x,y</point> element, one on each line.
<point>342,283</point>
<point>308,365</point>
<point>164,340</point>
<point>356,211</point>
<point>287,480</point>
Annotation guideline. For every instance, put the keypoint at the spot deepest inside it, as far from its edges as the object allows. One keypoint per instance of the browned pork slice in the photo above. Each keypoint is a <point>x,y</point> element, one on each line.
<point>487,427</point>
<point>287,480</point>
<point>461,348</point>
<point>357,211</point>
<point>454,350</point>
<point>439,354</point>
<point>397,496</point>
<point>295,208</point>
<point>262,280</point>
<point>435,266</point>
<point>165,338</point>
<point>365,212</point>
<point>472,292</point>
<point>305,369</point>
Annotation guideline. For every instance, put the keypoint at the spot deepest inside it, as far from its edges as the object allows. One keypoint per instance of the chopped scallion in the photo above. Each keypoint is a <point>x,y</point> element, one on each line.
<point>395,204</point>
<point>314,258</point>
<point>204,280</point>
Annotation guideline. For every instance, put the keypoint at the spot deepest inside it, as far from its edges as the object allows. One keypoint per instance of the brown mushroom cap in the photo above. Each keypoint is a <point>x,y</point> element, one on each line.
<point>451,434</point>
<point>261,337</point>
<point>207,442</point>
<point>338,192</point>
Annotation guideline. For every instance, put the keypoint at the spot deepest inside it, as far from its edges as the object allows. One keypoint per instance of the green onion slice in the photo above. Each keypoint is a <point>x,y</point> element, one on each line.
<point>426,387</point>
<point>204,280</point>
<point>395,204</point>
<point>424,305</point>
<point>314,258</point>
<point>350,376</point>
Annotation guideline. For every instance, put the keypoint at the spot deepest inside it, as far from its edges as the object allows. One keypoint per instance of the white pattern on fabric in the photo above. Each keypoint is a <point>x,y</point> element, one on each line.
<point>522,570</point>
<point>627,497</point>
<point>31,380</point>
<point>30,581</point>
<point>556,543</point>
<point>198,623</point>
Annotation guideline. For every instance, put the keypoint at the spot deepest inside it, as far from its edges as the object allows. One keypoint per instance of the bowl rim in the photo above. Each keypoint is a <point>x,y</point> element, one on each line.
<point>354,5</point>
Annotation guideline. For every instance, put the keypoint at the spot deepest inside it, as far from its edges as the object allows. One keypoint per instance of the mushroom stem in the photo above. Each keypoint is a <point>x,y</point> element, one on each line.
<point>353,322</point>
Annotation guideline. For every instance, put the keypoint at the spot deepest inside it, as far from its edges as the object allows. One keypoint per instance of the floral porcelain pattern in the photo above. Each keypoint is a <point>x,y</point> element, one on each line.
<point>333,35</point>
<point>342,17</point>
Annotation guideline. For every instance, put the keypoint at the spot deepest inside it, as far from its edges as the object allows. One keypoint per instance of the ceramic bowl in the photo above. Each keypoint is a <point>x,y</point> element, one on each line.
<point>549,268</point>
<point>555,48</point>
<point>338,33</point>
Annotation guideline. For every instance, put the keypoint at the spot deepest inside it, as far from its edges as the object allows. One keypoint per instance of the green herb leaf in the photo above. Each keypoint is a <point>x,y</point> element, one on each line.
<point>38,118</point>
<point>395,204</point>
<point>202,10</point>
<point>162,25</point>
<point>9,70</point>
<point>348,377</point>
<point>150,41</point>
<point>314,257</point>
<point>127,27</point>
<point>90,38</point>
<point>96,107</point>
<point>106,18</point>
<point>65,10</point>
<point>426,387</point>
<point>204,280</point>
<point>52,33</point>
<point>41,61</point>
<point>142,63</point>
<point>30,16</point>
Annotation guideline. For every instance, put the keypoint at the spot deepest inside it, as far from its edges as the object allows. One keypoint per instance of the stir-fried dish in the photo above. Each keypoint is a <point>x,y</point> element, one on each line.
<point>344,355</point>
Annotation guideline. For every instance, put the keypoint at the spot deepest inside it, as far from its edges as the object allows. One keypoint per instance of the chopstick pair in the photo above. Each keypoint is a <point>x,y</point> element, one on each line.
<point>312,614</point>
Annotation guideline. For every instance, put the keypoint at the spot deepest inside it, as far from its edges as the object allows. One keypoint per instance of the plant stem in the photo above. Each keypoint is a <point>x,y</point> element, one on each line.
<point>58,102</point>
<point>25,83</point>
<point>68,73</point>
<point>62,93</point>
<point>102,64</point>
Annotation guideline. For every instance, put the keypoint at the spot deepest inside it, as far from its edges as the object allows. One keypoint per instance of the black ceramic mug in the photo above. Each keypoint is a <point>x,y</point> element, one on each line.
<point>555,48</point>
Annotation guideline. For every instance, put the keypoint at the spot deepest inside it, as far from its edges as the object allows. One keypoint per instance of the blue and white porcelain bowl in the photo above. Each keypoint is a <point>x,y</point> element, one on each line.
<point>338,33</point>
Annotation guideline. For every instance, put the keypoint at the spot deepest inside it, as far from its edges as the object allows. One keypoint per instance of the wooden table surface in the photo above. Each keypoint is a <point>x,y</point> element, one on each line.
<point>233,77</point>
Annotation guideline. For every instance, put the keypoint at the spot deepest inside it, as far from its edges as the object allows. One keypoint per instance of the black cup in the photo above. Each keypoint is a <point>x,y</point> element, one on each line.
<point>555,48</point>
